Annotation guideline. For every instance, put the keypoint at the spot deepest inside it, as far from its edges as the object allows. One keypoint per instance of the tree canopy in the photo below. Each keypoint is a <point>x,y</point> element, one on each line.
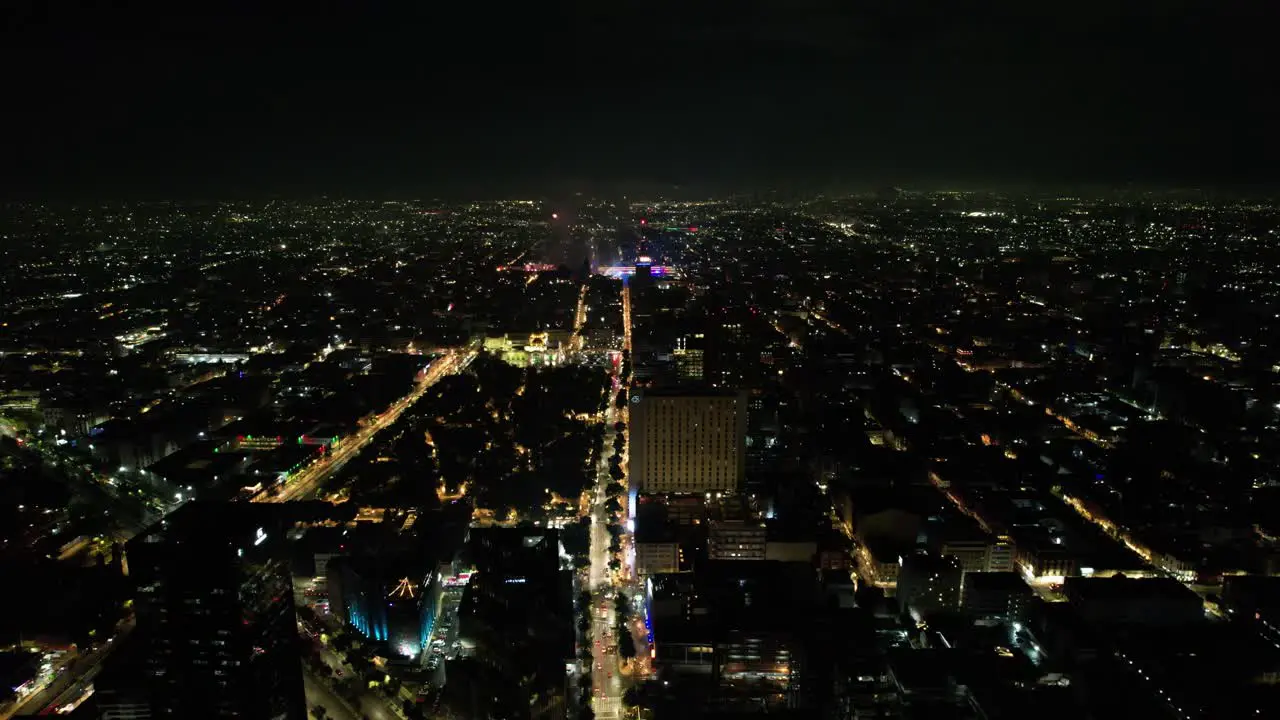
<point>510,437</point>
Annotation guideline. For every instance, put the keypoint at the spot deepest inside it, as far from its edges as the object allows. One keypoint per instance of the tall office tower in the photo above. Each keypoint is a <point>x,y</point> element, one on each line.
<point>929,583</point>
<point>688,355</point>
<point>688,442</point>
<point>517,612</point>
<point>215,614</point>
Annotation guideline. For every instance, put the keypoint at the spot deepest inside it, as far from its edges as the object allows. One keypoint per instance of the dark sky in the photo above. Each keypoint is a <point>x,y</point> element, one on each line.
<point>535,97</point>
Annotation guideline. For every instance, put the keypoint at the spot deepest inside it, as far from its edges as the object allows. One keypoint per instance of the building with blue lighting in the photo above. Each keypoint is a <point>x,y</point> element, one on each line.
<point>386,600</point>
<point>391,590</point>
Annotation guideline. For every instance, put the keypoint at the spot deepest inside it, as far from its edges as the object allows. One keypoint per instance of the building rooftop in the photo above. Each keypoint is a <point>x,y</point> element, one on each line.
<point>996,582</point>
<point>17,668</point>
<point>689,391</point>
<point>194,520</point>
<point>1260,593</point>
<point>1119,587</point>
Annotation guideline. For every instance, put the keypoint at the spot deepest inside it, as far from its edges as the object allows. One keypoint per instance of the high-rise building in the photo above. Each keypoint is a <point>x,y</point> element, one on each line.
<point>740,628</point>
<point>929,583</point>
<point>517,612</point>
<point>688,357</point>
<point>688,442</point>
<point>215,613</point>
<point>656,539</point>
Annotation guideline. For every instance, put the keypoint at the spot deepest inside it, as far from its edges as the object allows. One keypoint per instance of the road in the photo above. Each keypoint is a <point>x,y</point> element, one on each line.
<point>318,692</point>
<point>309,481</point>
<point>371,704</point>
<point>642,666</point>
<point>626,316</point>
<point>606,679</point>
<point>76,677</point>
<point>598,572</point>
<point>606,676</point>
<point>446,630</point>
<point>580,319</point>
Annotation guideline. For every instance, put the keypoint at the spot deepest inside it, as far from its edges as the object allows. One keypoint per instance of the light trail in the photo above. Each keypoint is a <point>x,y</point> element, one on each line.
<point>606,665</point>
<point>580,319</point>
<point>626,318</point>
<point>606,676</point>
<point>74,680</point>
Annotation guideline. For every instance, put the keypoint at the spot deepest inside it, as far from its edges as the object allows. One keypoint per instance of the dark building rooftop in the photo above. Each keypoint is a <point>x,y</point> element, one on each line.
<point>1127,589</point>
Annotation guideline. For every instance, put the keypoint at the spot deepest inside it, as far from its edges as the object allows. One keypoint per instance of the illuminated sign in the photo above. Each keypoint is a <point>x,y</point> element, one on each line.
<point>457,580</point>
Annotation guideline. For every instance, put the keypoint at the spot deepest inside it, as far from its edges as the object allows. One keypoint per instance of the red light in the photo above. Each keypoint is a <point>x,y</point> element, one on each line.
<point>643,221</point>
<point>693,229</point>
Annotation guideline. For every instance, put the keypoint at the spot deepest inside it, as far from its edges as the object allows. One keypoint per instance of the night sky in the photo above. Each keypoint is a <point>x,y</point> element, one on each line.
<point>529,98</point>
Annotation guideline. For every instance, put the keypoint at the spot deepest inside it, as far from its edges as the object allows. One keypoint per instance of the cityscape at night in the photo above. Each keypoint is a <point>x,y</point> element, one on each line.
<point>648,387</point>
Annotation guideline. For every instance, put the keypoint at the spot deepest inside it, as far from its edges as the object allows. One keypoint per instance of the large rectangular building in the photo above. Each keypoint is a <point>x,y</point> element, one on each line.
<point>996,594</point>
<point>736,540</point>
<point>215,613</point>
<point>1152,602</point>
<point>688,442</point>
